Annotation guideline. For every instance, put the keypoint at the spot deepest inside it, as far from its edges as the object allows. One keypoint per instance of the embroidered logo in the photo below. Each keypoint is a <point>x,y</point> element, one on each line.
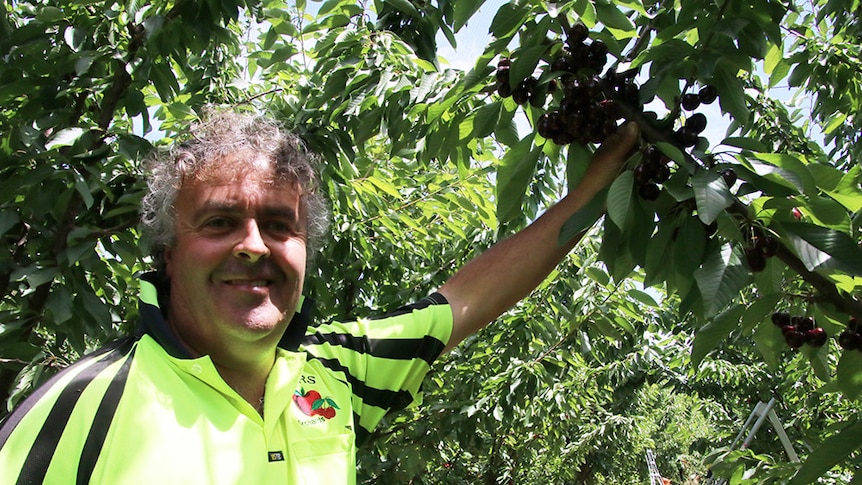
<point>275,456</point>
<point>312,404</point>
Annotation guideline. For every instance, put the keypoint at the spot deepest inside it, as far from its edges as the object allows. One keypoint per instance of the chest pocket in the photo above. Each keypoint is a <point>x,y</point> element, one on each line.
<point>327,459</point>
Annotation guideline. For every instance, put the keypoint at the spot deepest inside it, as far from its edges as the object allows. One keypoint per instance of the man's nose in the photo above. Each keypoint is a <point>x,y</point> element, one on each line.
<point>251,245</point>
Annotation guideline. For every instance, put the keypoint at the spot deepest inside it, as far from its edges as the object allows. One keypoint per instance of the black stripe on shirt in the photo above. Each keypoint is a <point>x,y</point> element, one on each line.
<point>102,422</point>
<point>381,398</point>
<point>432,299</point>
<point>11,421</point>
<point>39,458</point>
<point>426,348</point>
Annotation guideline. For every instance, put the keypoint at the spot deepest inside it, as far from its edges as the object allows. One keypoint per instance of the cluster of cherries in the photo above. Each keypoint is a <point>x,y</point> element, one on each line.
<point>851,337</point>
<point>588,110</point>
<point>584,114</point>
<point>799,330</point>
<point>694,125</point>
<point>761,247</point>
<point>654,169</point>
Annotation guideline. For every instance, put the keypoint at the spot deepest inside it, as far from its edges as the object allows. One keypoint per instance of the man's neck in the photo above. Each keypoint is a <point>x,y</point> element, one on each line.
<point>249,381</point>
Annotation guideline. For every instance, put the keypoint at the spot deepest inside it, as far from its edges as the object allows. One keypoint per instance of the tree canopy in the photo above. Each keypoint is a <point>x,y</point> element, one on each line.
<point>696,296</point>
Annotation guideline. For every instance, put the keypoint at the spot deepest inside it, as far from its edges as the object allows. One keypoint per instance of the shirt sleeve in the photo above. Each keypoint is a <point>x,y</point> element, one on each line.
<point>383,359</point>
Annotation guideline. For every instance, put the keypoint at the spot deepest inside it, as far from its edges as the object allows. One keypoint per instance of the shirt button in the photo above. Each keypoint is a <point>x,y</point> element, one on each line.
<point>197,369</point>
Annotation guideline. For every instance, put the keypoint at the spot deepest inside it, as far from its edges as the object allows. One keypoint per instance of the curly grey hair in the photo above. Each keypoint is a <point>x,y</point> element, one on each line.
<point>220,134</point>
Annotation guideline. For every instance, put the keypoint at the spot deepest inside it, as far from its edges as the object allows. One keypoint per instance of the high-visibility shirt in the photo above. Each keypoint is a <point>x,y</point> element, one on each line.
<point>143,411</point>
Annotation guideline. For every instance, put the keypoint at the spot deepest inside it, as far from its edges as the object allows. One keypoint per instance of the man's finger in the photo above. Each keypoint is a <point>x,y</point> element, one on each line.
<point>620,142</point>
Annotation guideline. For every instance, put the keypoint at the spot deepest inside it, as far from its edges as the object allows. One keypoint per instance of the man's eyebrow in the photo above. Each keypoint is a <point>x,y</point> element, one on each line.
<point>280,212</point>
<point>210,207</point>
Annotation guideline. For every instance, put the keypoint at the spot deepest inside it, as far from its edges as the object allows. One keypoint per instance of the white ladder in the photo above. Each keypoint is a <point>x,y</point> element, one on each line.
<point>762,411</point>
<point>655,477</point>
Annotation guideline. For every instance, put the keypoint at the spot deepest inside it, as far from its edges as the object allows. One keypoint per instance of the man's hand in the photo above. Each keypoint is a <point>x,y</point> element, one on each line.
<point>492,283</point>
<point>606,162</point>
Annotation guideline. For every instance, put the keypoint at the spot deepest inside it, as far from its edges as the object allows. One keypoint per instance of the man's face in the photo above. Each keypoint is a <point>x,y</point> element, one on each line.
<point>238,262</point>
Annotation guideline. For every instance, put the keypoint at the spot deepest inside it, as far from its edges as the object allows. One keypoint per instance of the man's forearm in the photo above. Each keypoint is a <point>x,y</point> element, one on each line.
<point>493,282</point>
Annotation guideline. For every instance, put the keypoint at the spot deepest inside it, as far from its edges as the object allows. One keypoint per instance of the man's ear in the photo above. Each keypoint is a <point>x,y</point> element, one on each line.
<point>167,258</point>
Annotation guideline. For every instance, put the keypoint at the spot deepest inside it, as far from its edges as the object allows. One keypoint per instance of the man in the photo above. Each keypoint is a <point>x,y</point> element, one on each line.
<point>224,383</point>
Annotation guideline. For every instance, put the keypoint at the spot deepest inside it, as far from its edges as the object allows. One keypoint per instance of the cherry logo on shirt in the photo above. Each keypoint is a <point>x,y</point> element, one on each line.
<point>312,404</point>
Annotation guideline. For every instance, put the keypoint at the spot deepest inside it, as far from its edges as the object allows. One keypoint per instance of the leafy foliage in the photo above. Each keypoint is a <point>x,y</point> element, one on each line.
<point>655,334</point>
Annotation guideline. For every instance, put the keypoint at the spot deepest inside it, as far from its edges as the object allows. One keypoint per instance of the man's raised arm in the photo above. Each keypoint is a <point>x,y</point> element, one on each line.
<point>494,281</point>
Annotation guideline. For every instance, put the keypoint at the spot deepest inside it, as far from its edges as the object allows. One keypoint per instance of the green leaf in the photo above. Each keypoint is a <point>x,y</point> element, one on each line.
<point>404,6</point>
<point>486,119</point>
<point>577,160</point>
<point>642,297</point>
<point>517,168</point>
<point>760,309</point>
<point>786,167</point>
<point>690,246</point>
<point>620,198</point>
<point>65,137</point>
<point>525,63</point>
<point>598,275</point>
<point>8,220</point>
<point>463,11</point>
<point>732,92</point>
<point>583,219</point>
<point>672,152</point>
<point>714,333</point>
<point>613,17</point>
<point>848,374</point>
<point>770,343</point>
<point>744,143</point>
<point>508,19</point>
<point>721,278</point>
<point>50,14</point>
<point>832,451</point>
<point>711,195</point>
<point>823,248</point>
<point>659,251</point>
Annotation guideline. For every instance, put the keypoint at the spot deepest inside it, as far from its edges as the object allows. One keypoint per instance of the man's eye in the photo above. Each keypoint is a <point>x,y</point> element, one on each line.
<point>277,226</point>
<point>217,223</point>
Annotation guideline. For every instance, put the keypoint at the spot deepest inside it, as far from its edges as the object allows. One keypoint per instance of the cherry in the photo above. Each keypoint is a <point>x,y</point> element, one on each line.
<point>543,126</point>
<point>768,245</point>
<point>643,173</point>
<point>630,93</point>
<point>598,48</point>
<point>754,258</point>
<point>696,122</point>
<point>850,340</point>
<point>729,176</point>
<point>781,319</point>
<point>649,191</point>
<point>816,337</point>
<point>561,63</point>
<point>708,94</point>
<point>690,102</point>
<point>662,173</point>
<point>793,337</point>
<point>686,137</point>
<point>577,34</point>
<point>520,95</point>
<point>652,154</point>
<point>804,324</point>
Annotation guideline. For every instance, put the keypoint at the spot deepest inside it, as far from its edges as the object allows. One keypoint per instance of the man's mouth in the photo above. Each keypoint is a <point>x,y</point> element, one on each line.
<point>253,283</point>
